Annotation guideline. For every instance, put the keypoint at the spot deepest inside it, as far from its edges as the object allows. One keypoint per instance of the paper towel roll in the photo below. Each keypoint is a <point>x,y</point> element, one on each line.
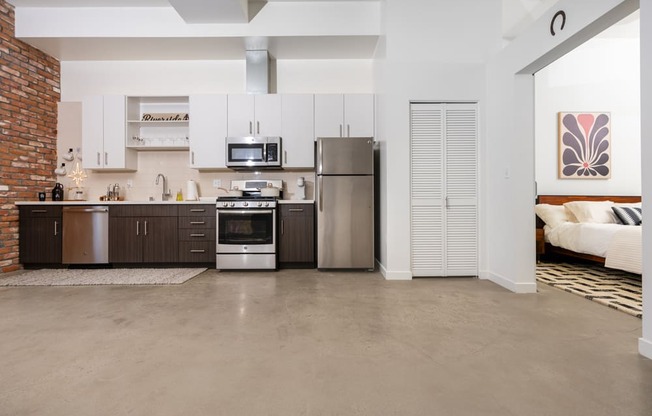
<point>191,192</point>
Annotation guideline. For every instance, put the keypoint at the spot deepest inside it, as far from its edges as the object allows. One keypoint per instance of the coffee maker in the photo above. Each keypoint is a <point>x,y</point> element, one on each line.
<point>57,192</point>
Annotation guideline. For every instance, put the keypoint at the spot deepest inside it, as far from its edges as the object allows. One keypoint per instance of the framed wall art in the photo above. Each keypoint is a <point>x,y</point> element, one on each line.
<point>584,145</point>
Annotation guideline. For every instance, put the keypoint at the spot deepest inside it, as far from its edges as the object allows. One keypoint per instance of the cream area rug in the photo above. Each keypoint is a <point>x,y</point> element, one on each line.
<point>614,288</point>
<point>81,277</point>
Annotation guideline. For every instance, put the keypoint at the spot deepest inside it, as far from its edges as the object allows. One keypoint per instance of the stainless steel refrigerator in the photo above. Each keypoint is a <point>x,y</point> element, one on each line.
<point>345,202</point>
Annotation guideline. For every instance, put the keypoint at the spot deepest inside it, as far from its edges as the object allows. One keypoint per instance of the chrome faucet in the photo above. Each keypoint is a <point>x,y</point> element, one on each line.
<point>166,192</point>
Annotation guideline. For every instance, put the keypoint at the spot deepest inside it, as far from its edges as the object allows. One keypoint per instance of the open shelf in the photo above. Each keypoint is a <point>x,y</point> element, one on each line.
<point>157,134</point>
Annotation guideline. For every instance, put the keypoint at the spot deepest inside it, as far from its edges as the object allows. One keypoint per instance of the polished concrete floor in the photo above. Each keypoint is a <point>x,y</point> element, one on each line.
<point>311,343</point>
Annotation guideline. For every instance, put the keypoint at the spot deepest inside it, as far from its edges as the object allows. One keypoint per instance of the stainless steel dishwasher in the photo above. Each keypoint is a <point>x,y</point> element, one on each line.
<point>85,235</point>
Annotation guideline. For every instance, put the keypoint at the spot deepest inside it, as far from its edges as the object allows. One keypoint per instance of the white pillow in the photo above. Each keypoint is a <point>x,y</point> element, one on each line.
<point>552,215</point>
<point>629,204</point>
<point>592,211</point>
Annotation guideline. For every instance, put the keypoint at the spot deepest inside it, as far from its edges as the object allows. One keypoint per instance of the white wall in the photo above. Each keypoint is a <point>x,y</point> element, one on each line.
<point>80,78</point>
<point>429,51</point>
<point>602,75</point>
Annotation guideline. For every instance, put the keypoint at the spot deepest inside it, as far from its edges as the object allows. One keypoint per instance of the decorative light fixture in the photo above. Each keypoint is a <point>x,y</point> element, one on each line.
<point>78,175</point>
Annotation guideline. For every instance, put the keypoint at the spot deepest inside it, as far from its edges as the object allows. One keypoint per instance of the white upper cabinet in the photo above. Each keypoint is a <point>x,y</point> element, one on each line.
<point>103,134</point>
<point>254,115</point>
<point>344,115</point>
<point>298,129</point>
<point>208,131</point>
<point>359,113</point>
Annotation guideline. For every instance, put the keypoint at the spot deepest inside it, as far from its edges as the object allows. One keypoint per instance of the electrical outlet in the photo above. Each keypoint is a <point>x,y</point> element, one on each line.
<point>217,183</point>
<point>130,183</point>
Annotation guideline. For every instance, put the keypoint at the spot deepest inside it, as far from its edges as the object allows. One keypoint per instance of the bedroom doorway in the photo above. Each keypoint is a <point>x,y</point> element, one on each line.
<point>601,76</point>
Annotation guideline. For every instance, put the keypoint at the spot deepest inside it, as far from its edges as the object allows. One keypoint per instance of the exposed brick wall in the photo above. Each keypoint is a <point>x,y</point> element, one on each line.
<point>29,93</point>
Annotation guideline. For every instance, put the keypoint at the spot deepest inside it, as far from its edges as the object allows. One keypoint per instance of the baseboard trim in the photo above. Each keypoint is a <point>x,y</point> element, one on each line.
<point>388,275</point>
<point>508,284</point>
<point>645,347</point>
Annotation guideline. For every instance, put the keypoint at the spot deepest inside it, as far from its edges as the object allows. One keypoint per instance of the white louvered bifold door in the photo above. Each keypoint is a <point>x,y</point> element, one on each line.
<point>461,190</point>
<point>443,172</point>
<point>427,189</point>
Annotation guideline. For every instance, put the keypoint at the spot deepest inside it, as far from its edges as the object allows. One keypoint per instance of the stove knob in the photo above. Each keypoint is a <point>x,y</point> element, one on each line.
<point>232,204</point>
<point>266,204</point>
<point>245,204</point>
<point>260,204</point>
<point>225,204</point>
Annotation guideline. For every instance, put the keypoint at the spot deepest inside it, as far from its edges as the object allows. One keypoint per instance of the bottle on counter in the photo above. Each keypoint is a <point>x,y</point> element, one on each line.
<point>179,196</point>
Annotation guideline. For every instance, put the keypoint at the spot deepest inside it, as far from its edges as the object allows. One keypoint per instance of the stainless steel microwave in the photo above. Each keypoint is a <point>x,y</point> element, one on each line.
<point>253,152</point>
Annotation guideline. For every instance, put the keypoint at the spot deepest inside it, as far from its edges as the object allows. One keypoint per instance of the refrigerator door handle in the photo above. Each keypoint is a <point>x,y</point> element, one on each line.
<point>321,193</point>
<point>320,152</point>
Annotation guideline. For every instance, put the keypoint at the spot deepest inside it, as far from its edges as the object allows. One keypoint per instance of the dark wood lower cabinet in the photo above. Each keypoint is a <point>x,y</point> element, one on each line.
<point>296,235</point>
<point>40,234</point>
<point>150,237</point>
<point>197,233</point>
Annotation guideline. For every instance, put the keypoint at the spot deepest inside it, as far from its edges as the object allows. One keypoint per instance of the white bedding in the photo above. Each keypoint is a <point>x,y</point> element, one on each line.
<point>619,244</point>
<point>625,250</point>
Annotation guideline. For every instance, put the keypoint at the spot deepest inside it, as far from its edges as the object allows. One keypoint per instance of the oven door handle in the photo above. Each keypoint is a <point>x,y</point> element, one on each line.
<point>247,211</point>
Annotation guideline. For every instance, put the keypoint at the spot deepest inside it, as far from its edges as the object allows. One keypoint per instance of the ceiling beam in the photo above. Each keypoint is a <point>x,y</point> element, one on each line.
<point>212,11</point>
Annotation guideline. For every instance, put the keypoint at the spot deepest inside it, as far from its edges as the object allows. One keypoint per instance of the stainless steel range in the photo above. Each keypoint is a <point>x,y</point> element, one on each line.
<point>246,227</point>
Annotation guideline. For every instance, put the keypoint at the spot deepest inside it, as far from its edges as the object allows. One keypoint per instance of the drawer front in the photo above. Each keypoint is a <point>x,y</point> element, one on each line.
<point>296,210</point>
<point>197,222</point>
<point>40,211</point>
<point>196,252</point>
<point>189,234</point>
<point>196,210</point>
<point>148,210</point>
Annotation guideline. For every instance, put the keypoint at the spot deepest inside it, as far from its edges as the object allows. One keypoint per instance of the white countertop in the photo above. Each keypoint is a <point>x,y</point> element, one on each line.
<point>97,202</point>
<point>280,201</point>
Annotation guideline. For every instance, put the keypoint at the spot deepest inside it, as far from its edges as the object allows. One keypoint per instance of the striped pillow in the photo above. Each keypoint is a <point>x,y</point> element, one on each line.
<point>629,215</point>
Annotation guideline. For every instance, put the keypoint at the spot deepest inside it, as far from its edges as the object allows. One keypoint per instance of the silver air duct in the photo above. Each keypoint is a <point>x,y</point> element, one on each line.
<point>257,71</point>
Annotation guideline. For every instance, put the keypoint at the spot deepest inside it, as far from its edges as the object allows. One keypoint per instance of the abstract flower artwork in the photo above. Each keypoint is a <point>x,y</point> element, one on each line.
<point>584,145</point>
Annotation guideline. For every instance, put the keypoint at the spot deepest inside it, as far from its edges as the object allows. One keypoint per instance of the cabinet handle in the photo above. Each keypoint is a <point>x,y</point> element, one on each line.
<point>282,227</point>
<point>145,227</point>
<point>295,209</point>
<point>258,127</point>
<point>192,158</point>
<point>447,206</point>
<point>198,235</point>
<point>39,211</point>
<point>348,130</point>
<point>106,158</point>
<point>98,159</point>
<point>197,222</point>
<point>198,251</point>
<point>197,210</point>
<point>285,156</point>
<point>340,130</point>
<point>251,128</point>
<point>137,227</point>
<point>56,223</point>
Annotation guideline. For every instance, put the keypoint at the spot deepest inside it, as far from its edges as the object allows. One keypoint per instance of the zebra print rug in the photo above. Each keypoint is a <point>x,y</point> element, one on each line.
<point>615,288</point>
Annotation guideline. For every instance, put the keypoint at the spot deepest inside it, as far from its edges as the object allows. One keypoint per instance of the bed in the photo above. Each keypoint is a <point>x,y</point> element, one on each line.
<point>590,228</point>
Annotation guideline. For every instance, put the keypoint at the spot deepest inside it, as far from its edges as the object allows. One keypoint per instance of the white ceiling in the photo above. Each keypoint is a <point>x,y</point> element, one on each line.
<point>119,3</point>
<point>76,30</point>
<point>73,30</point>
